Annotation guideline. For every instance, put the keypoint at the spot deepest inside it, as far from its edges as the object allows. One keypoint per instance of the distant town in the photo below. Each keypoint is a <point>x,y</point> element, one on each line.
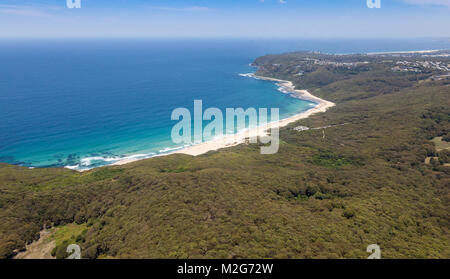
<point>433,65</point>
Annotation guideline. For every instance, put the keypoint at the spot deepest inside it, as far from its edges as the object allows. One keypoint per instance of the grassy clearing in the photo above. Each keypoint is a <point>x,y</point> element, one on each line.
<point>65,235</point>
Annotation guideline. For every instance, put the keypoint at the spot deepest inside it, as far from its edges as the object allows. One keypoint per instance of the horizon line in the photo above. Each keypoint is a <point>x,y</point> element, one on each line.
<point>224,37</point>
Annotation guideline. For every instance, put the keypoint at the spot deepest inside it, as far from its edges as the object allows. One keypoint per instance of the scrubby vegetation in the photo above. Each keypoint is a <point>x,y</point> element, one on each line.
<point>365,182</point>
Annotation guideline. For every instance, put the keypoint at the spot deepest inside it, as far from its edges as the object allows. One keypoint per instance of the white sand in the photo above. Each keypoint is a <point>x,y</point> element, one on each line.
<point>235,139</point>
<point>406,52</point>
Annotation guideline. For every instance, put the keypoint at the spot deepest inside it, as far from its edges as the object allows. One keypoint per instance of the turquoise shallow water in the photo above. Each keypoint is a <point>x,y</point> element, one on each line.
<point>88,103</point>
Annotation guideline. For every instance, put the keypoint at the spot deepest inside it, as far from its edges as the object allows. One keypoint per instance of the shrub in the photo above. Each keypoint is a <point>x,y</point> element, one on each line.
<point>349,213</point>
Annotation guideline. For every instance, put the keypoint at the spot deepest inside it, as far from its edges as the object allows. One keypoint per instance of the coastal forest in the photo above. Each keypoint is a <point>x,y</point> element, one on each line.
<point>374,169</point>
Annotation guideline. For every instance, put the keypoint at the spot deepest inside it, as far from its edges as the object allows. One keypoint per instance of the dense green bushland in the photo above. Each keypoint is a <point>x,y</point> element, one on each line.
<point>319,197</point>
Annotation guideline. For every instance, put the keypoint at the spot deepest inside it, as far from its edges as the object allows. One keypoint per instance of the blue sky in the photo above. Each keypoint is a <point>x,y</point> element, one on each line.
<point>225,18</point>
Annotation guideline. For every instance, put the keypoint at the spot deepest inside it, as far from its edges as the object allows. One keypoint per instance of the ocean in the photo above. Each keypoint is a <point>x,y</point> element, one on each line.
<point>85,103</point>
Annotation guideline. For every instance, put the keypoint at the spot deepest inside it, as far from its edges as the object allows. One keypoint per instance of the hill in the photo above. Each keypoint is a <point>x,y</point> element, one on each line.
<point>327,193</point>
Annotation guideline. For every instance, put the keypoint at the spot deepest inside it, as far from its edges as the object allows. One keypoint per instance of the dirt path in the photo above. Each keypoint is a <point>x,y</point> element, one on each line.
<point>40,249</point>
<point>440,144</point>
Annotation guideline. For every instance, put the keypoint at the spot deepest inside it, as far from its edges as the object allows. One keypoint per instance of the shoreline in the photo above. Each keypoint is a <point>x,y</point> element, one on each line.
<point>286,87</point>
<point>407,52</point>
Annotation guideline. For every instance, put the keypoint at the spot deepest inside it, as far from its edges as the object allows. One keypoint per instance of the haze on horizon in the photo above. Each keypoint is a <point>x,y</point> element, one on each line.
<point>225,18</point>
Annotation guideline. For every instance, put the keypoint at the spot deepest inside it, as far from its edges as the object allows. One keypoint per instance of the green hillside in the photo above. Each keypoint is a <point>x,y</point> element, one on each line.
<point>326,193</point>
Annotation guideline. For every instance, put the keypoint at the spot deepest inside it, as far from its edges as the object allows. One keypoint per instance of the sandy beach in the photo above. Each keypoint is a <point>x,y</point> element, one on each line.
<point>406,52</point>
<point>286,87</point>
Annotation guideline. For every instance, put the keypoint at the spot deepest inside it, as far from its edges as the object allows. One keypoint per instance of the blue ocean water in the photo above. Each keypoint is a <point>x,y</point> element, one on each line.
<point>87,103</point>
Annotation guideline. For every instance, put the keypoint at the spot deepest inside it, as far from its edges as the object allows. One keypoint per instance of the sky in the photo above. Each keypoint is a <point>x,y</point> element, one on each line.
<point>225,18</point>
